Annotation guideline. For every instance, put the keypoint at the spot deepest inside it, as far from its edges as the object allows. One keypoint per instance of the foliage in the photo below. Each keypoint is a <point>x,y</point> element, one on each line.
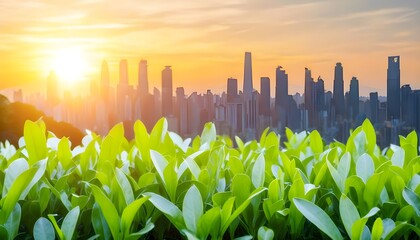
<point>162,186</point>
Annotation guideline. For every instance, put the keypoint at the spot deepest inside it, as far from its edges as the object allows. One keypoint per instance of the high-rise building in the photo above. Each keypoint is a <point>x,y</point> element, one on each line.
<point>143,84</point>
<point>123,93</point>
<point>248,88</point>
<point>265,97</point>
<point>232,89</point>
<point>354,98</point>
<point>167,91</point>
<point>320,113</point>
<point>309,97</point>
<point>393,88</point>
<point>374,107</point>
<point>405,95</point>
<point>105,81</point>
<point>282,87</point>
<point>249,99</point>
<point>52,88</point>
<point>181,111</point>
<point>338,93</point>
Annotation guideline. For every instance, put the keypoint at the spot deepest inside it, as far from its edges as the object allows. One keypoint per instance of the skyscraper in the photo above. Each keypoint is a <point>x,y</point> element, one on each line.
<point>393,88</point>
<point>374,107</point>
<point>248,76</point>
<point>167,91</point>
<point>338,93</point>
<point>249,99</point>
<point>143,84</point>
<point>282,87</point>
<point>232,89</point>
<point>265,97</point>
<point>104,81</point>
<point>309,97</point>
<point>405,96</point>
<point>354,98</point>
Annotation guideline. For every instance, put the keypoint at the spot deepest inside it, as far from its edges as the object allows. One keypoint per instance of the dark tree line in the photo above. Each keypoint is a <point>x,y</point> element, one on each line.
<point>13,117</point>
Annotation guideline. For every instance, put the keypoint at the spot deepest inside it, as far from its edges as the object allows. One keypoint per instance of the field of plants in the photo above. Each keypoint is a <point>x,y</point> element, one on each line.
<point>160,186</point>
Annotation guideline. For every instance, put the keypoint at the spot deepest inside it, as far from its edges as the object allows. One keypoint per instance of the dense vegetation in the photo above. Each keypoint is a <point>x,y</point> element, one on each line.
<point>13,116</point>
<point>162,186</point>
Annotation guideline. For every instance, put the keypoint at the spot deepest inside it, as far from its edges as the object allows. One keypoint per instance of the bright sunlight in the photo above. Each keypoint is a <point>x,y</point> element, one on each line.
<point>70,65</point>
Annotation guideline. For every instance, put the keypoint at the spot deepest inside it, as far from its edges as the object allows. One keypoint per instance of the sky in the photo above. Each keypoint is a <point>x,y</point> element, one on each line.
<point>205,41</point>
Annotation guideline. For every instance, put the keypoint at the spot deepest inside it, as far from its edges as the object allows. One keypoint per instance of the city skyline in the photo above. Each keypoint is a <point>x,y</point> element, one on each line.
<point>245,112</point>
<point>202,41</point>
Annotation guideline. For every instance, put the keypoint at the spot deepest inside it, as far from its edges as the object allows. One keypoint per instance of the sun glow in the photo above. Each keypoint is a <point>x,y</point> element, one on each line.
<point>70,65</point>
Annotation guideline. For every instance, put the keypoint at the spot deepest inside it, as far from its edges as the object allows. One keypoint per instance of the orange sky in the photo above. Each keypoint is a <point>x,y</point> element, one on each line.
<point>205,41</point>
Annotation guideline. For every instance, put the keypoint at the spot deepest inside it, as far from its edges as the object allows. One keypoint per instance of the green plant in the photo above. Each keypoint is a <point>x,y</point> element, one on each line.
<point>159,185</point>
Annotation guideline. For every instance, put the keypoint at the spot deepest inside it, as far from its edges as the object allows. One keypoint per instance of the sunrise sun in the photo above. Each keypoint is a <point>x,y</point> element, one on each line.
<point>70,65</point>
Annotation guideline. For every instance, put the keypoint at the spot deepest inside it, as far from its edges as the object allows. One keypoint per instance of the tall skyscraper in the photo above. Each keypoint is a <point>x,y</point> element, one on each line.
<point>143,84</point>
<point>248,88</point>
<point>250,102</point>
<point>338,93</point>
<point>374,107</point>
<point>405,96</point>
<point>354,98</point>
<point>105,81</point>
<point>282,87</point>
<point>167,91</point>
<point>309,97</point>
<point>393,88</point>
<point>265,97</point>
<point>52,88</point>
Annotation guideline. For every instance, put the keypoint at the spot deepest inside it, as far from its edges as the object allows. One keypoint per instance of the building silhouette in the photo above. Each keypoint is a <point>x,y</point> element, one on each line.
<point>265,108</point>
<point>143,84</point>
<point>338,92</point>
<point>374,107</point>
<point>167,91</point>
<point>393,88</point>
<point>354,98</point>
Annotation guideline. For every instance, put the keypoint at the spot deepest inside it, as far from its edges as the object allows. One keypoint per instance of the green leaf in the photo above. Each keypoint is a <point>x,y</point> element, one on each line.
<point>316,142</point>
<point>318,217</point>
<point>370,135</point>
<point>258,172</point>
<point>192,208</point>
<point>348,213</point>
<point>43,229</point>
<point>241,208</point>
<point>209,133</point>
<point>158,134</point>
<point>377,229</point>
<point>413,199</point>
<point>159,162</point>
<point>15,168</point>
<point>265,233</point>
<point>171,211</point>
<point>64,154</point>
<point>13,222</point>
<point>108,210</point>
<point>373,189</point>
<point>129,213</point>
<point>35,141</point>
<point>99,223</point>
<point>125,186</point>
<point>69,223</point>
<point>358,228</point>
<point>365,167</point>
<point>398,157</point>
<point>15,191</point>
